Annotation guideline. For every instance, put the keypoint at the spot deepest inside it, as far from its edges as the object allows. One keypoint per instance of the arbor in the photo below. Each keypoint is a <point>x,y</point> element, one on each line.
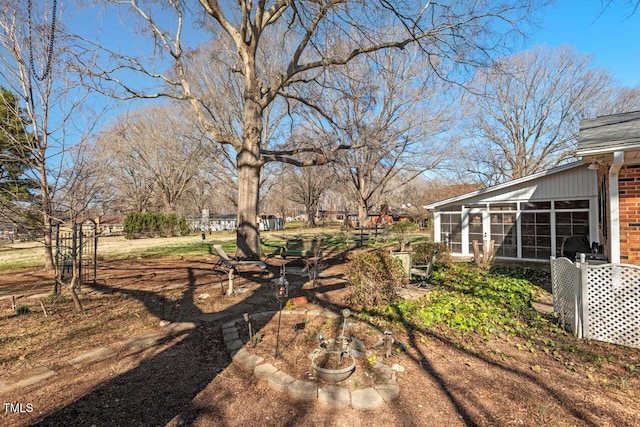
<point>524,111</point>
<point>275,49</point>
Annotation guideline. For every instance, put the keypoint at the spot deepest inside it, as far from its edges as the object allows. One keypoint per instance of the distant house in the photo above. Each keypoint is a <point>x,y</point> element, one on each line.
<point>7,231</point>
<point>529,218</point>
<point>227,222</point>
<point>109,225</point>
<point>212,222</point>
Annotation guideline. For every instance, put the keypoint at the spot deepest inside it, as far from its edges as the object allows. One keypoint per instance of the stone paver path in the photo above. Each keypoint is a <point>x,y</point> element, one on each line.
<point>330,395</point>
<point>86,359</point>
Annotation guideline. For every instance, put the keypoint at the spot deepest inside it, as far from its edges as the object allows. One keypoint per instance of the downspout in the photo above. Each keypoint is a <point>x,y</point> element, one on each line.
<point>614,205</point>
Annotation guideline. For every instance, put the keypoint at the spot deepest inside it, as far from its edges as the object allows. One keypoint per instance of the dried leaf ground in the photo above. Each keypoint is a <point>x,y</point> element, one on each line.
<point>188,378</point>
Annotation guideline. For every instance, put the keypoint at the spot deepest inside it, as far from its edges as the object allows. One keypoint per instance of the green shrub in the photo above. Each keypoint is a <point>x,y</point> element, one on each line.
<point>23,309</point>
<point>375,278</point>
<point>154,224</point>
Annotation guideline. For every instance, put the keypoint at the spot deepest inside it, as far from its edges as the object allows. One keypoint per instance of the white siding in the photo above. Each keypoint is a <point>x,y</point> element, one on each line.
<point>576,183</point>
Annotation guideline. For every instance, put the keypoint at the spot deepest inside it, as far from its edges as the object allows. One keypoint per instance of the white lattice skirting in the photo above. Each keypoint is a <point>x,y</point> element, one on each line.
<point>600,302</point>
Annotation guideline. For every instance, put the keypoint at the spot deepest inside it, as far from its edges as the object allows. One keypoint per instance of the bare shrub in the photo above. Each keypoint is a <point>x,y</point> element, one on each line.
<point>375,278</point>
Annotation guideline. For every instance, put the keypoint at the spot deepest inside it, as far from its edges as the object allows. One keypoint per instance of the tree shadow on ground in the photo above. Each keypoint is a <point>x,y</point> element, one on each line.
<point>162,387</point>
<point>180,385</point>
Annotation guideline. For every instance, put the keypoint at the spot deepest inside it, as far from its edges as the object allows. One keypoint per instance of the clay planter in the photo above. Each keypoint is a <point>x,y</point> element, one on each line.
<point>332,368</point>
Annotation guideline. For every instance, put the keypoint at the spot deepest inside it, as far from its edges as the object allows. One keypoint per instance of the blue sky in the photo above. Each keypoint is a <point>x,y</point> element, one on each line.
<point>612,36</point>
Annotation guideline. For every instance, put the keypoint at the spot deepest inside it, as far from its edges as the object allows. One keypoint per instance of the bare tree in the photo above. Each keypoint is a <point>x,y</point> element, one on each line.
<point>277,47</point>
<point>632,5</point>
<point>153,157</point>
<point>82,184</point>
<point>130,185</point>
<point>525,115</point>
<point>306,187</point>
<point>34,59</point>
<point>390,111</point>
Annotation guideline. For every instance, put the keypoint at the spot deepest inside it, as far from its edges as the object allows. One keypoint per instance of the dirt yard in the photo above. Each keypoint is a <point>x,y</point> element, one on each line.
<point>187,378</point>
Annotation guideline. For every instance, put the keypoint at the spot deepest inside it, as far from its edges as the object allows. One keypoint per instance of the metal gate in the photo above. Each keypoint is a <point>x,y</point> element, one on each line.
<point>76,247</point>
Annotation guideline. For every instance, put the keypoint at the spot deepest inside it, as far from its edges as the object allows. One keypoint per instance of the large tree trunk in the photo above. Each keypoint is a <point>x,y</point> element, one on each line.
<point>362,213</point>
<point>311,215</point>
<point>249,166</point>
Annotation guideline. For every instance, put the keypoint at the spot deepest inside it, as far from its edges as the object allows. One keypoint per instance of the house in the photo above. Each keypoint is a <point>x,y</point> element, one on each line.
<point>110,225</point>
<point>7,231</point>
<point>529,218</point>
<point>610,145</point>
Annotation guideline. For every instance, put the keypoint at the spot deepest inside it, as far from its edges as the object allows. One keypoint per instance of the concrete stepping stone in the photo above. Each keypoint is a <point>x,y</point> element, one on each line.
<point>263,315</point>
<point>177,327</point>
<point>366,399</point>
<point>234,345</point>
<point>280,381</point>
<point>334,396</point>
<point>246,360</point>
<point>388,392</point>
<point>142,341</point>
<point>26,378</point>
<point>303,390</point>
<point>230,324</point>
<point>93,356</point>
<point>230,334</point>
<point>329,314</point>
<point>264,370</point>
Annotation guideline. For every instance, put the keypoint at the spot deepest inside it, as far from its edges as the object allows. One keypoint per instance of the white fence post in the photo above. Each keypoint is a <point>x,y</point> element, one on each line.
<point>583,298</point>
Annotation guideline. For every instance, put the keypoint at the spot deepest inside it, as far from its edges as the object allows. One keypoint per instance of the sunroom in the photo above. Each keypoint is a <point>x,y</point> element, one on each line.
<point>527,218</point>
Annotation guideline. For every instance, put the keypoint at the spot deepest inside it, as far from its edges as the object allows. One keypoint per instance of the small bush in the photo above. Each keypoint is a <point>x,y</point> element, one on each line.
<point>23,309</point>
<point>375,278</point>
<point>422,252</point>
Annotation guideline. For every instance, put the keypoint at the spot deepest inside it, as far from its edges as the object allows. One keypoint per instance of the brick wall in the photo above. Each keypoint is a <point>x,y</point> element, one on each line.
<point>629,187</point>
